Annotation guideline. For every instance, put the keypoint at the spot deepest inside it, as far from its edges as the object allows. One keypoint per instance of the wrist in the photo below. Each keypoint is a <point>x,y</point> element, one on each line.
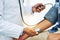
<point>38,30</point>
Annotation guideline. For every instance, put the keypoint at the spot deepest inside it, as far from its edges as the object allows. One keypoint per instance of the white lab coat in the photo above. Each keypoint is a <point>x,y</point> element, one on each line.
<point>10,20</point>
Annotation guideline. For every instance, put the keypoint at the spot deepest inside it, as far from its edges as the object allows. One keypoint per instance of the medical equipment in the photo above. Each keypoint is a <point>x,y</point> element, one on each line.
<point>55,28</point>
<point>38,30</point>
<point>21,12</point>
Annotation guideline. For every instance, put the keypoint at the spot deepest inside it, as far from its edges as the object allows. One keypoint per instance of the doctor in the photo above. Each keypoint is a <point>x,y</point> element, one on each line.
<point>10,21</point>
<point>50,19</point>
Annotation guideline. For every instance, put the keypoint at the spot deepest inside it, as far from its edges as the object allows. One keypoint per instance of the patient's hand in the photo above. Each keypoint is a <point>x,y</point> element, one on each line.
<point>38,7</point>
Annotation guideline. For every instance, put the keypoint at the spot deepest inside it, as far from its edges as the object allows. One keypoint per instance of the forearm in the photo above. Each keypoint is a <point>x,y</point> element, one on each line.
<point>43,25</point>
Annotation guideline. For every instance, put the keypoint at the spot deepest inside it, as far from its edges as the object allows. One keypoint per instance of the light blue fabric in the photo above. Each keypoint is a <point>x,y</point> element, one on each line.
<point>10,20</point>
<point>52,15</point>
<point>55,28</point>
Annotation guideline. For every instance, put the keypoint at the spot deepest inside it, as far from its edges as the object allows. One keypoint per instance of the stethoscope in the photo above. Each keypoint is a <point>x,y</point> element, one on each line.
<point>21,12</point>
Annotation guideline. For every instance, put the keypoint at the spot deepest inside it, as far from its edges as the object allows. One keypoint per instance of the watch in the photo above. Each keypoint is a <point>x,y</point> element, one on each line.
<point>38,30</point>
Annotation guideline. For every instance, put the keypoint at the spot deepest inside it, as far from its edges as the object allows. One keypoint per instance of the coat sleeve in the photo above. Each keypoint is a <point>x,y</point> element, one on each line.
<point>7,28</point>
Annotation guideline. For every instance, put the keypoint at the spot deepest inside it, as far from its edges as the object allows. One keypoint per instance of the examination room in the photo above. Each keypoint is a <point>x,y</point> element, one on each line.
<point>29,19</point>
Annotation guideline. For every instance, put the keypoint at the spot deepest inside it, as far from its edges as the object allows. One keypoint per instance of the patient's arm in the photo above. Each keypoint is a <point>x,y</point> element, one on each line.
<point>42,25</point>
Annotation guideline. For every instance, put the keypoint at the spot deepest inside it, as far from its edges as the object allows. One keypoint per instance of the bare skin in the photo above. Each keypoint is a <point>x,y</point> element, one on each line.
<point>27,31</point>
<point>38,8</point>
<point>46,25</point>
<point>42,25</point>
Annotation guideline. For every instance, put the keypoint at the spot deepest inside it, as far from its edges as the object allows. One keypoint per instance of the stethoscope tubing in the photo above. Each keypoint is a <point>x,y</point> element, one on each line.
<point>21,12</point>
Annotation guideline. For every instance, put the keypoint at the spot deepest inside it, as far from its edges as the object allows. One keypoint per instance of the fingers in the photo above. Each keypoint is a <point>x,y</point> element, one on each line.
<point>33,9</point>
<point>35,6</point>
<point>23,37</point>
<point>38,7</point>
<point>30,31</point>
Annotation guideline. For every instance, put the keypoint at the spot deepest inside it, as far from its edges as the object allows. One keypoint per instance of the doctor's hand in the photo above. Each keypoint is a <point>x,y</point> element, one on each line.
<point>30,31</point>
<point>38,7</point>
